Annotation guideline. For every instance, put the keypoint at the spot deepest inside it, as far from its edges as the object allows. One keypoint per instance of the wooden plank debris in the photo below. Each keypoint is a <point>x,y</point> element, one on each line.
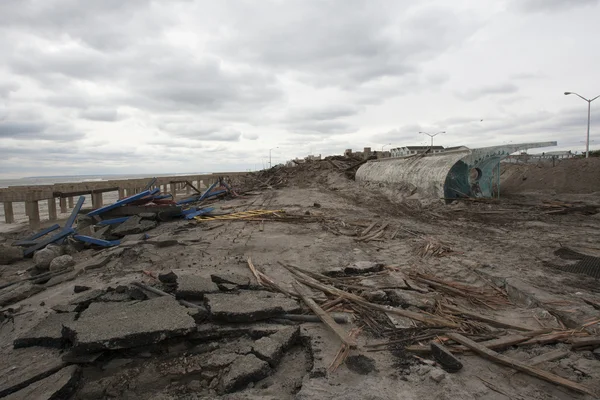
<point>488,320</point>
<point>324,316</point>
<point>547,357</point>
<point>593,341</point>
<point>518,365</point>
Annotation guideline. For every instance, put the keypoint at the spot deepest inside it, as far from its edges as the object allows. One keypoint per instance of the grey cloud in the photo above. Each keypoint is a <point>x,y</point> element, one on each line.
<point>330,127</point>
<point>551,5</point>
<point>401,136</point>
<point>499,89</point>
<point>365,42</point>
<point>26,130</point>
<point>100,114</point>
<point>197,131</point>
<point>6,88</point>
<point>250,136</point>
<point>323,113</point>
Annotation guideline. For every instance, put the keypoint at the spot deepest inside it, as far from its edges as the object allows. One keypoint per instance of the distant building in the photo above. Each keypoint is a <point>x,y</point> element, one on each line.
<point>413,150</point>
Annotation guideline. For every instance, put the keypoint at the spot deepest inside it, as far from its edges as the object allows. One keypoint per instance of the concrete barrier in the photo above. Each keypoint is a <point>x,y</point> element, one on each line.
<point>449,175</point>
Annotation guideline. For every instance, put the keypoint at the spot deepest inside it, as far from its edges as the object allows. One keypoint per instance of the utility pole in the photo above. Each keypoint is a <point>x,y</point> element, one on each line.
<point>270,165</point>
<point>432,135</point>
<point>587,142</point>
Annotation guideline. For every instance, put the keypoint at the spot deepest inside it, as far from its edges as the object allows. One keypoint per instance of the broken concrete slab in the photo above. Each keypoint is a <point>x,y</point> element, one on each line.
<point>194,287</point>
<point>10,254</point>
<point>241,281</point>
<point>245,369</point>
<point>48,333</point>
<point>18,292</point>
<point>445,358</point>
<point>94,263</point>
<point>80,288</point>
<point>271,348</point>
<point>65,308</point>
<point>247,306</point>
<point>56,280</point>
<point>134,225</point>
<point>58,386</point>
<point>199,314</point>
<point>406,298</point>
<point>21,367</point>
<point>84,300</point>
<point>74,358</point>
<point>358,267</point>
<point>114,296</point>
<point>121,325</point>
<point>61,263</point>
<point>213,331</point>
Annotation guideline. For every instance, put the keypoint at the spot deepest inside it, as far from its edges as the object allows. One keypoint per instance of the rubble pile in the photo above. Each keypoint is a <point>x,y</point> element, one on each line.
<point>223,342</point>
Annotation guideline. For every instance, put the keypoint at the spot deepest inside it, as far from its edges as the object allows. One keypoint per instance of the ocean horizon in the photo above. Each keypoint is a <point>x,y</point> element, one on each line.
<point>50,180</point>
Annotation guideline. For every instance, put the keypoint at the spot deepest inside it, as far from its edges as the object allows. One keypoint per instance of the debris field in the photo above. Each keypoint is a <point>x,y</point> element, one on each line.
<point>300,283</point>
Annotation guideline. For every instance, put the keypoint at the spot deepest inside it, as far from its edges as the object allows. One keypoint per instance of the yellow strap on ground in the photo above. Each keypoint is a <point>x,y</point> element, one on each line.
<point>238,215</point>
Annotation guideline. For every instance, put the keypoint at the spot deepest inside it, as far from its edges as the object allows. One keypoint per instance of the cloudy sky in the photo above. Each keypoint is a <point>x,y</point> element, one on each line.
<point>140,86</point>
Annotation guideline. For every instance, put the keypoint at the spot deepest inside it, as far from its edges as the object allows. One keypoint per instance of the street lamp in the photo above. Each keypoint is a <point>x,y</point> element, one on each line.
<point>389,144</point>
<point>431,135</point>
<point>270,165</point>
<point>587,142</point>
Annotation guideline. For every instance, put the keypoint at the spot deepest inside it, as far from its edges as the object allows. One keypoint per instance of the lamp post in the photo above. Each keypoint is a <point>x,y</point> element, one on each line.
<point>270,165</point>
<point>587,142</point>
<point>389,144</point>
<point>432,135</point>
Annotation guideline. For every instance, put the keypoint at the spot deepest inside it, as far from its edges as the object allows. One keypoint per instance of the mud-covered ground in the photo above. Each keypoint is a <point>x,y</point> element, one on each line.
<point>510,242</point>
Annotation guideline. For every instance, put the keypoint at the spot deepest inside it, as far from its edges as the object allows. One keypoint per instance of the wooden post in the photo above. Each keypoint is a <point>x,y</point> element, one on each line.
<point>173,187</point>
<point>34,214</point>
<point>63,204</point>
<point>9,215</point>
<point>188,189</point>
<point>97,200</point>
<point>70,202</point>
<point>121,193</point>
<point>52,209</point>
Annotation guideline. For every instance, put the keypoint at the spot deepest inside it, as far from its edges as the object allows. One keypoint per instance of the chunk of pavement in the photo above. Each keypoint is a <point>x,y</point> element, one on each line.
<point>114,296</point>
<point>199,314</point>
<point>18,292</point>
<point>247,306</point>
<point>241,281</point>
<point>271,348</point>
<point>84,300</point>
<point>21,367</point>
<point>169,278</point>
<point>137,294</point>
<point>74,358</point>
<point>122,325</point>
<point>214,331</point>
<point>80,288</point>
<point>134,225</point>
<point>48,333</point>
<point>42,258</point>
<point>194,287</point>
<point>437,375</point>
<point>406,298</point>
<point>161,243</point>
<point>10,254</point>
<point>148,215</point>
<point>243,370</point>
<point>68,276</point>
<point>360,364</point>
<point>217,360</point>
<point>65,308</point>
<point>58,386</point>
<point>94,263</point>
<point>62,262</point>
<point>445,358</point>
<point>596,353</point>
<point>356,268</point>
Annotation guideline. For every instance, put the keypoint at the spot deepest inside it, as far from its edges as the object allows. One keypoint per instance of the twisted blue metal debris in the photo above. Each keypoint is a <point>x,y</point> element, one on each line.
<point>449,175</point>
